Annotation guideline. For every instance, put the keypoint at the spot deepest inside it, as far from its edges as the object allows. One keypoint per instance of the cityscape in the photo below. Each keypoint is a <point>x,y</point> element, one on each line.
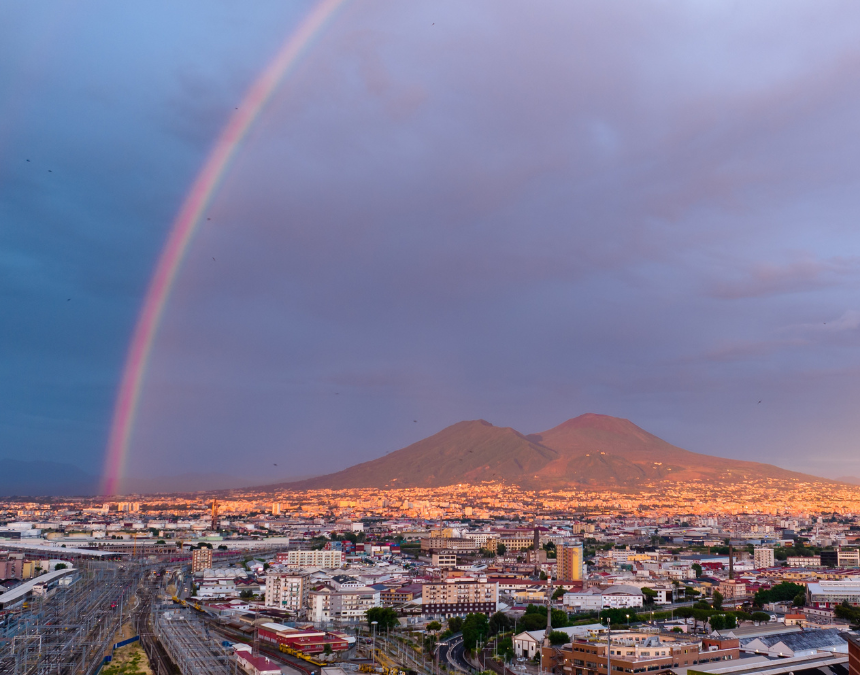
<point>347,337</point>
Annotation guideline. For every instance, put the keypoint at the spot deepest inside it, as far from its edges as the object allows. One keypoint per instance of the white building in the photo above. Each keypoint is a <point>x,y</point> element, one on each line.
<point>348,603</point>
<point>528,643</point>
<point>329,559</point>
<point>614,597</point>
<point>763,557</point>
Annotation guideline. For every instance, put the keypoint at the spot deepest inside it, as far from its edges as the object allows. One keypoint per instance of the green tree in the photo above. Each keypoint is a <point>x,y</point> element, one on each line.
<point>697,568</point>
<point>618,616</point>
<point>691,592</point>
<point>499,622</point>
<point>650,595</point>
<point>327,649</point>
<point>718,600</point>
<point>60,566</point>
<point>799,599</point>
<point>557,637</point>
<point>475,629</point>
<point>779,593</point>
<point>435,626</point>
<point>717,621</point>
<point>501,549</point>
<point>455,624</point>
<point>429,643</point>
<point>558,592</point>
<point>761,617</point>
<point>385,617</point>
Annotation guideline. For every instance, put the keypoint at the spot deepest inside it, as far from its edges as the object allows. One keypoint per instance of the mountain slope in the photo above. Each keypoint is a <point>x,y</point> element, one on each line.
<point>604,450</point>
<point>466,452</point>
<point>594,450</point>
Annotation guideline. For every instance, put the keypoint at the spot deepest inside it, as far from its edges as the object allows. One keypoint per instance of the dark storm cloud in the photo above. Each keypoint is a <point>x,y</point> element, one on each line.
<point>512,214</point>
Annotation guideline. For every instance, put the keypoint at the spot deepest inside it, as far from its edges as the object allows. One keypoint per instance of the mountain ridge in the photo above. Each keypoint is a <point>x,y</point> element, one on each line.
<point>590,450</point>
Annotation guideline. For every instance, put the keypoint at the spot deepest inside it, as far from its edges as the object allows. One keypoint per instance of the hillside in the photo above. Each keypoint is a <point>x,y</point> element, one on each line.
<point>593,450</point>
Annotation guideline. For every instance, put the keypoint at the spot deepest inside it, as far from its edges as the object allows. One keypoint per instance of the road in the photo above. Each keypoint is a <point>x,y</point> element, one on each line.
<point>452,651</point>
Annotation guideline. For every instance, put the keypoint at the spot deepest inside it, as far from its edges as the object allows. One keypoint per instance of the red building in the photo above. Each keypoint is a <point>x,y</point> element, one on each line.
<point>305,641</point>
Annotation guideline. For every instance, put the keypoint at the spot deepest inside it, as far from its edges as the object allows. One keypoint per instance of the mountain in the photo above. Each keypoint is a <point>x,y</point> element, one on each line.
<point>593,450</point>
<point>28,478</point>
<point>466,452</point>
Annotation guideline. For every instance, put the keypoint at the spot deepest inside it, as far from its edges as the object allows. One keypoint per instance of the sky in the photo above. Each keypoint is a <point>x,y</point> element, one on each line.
<point>446,211</point>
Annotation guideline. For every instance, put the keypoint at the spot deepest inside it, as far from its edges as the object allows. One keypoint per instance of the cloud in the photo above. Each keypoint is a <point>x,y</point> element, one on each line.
<point>800,276</point>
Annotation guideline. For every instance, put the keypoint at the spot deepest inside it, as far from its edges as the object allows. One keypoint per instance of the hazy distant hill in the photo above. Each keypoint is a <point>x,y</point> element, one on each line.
<point>591,449</point>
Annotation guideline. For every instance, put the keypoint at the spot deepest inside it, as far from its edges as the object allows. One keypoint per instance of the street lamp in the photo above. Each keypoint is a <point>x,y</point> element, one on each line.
<point>373,641</point>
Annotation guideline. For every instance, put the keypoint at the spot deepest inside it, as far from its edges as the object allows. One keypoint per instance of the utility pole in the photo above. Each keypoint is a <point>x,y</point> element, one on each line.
<point>608,646</point>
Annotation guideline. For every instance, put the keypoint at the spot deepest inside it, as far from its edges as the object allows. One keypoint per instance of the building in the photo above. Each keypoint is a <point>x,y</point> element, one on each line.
<point>256,665</point>
<point>634,652</point>
<point>455,597</point>
<point>569,565</point>
<point>853,654</point>
<point>430,544</point>
<point>840,558</point>
<point>803,561</point>
<point>305,641</point>
<point>287,590</point>
<point>399,596</point>
<point>801,643</point>
<point>347,604</point>
<point>331,559</point>
<point>733,589</point>
<point>827,594</point>
<point>528,643</point>
<point>447,559</point>
<point>763,557</point>
<point>201,559</point>
<point>615,597</point>
<point>276,509</point>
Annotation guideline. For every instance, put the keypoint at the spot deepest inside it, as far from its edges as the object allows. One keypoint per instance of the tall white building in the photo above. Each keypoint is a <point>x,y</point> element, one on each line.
<point>287,590</point>
<point>763,557</point>
<point>331,559</point>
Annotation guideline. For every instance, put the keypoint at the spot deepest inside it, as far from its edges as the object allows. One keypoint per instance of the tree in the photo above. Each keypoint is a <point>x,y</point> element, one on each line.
<point>799,599</point>
<point>327,649</point>
<point>221,547</point>
<point>779,593</point>
<point>455,624</point>
<point>499,622</point>
<point>618,616</point>
<point>760,617</point>
<point>701,604</point>
<point>650,595</point>
<point>697,568</point>
<point>557,637</point>
<point>247,593</point>
<point>435,626</point>
<point>718,600</point>
<point>429,643</point>
<point>385,617</point>
<point>559,592</point>
<point>717,621</point>
<point>543,576</point>
<point>501,549</point>
<point>60,566</point>
<point>475,629</point>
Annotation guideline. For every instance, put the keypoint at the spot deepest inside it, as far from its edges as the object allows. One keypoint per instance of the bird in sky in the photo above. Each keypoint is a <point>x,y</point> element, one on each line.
<point>759,401</point>
<point>276,465</point>
<point>49,171</point>
<point>28,160</point>
<point>68,299</point>
<point>213,257</point>
<point>208,219</point>
<point>416,421</point>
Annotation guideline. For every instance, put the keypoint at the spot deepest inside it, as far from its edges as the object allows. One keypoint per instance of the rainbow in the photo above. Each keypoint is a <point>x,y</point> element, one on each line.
<point>182,232</point>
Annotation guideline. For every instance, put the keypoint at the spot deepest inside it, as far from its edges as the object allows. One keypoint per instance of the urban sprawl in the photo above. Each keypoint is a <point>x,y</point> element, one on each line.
<point>753,578</point>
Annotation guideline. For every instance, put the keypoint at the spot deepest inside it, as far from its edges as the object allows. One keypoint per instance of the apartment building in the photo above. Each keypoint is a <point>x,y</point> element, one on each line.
<point>615,597</point>
<point>459,596</point>
<point>329,559</point>
<point>569,561</point>
<point>347,604</point>
<point>446,559</point>
<point>763,557</point>
<point>201,559</point>
<point>803,561</point>
<point>430,544</point>
<point>287,590</point>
